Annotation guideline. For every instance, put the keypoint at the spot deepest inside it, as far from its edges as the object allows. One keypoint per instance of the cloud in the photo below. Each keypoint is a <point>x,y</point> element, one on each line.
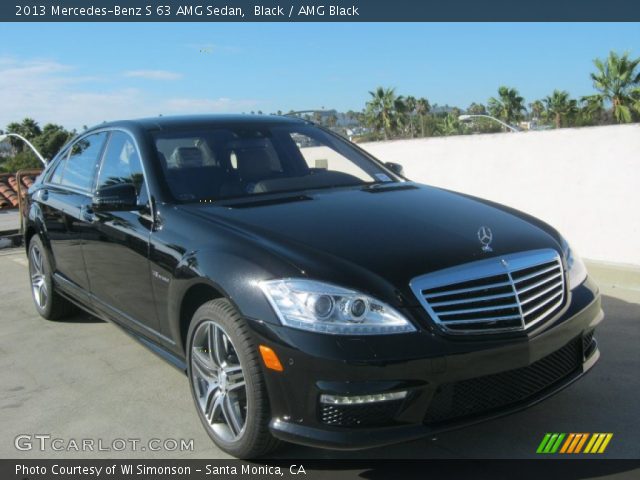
<point>52,92</point>
<point>49,91</point>
<point>153,74</point>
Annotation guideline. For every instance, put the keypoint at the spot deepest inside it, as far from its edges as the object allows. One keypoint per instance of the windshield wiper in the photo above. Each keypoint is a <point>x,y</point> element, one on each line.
<point>248,202</point>
<point>388,187</point>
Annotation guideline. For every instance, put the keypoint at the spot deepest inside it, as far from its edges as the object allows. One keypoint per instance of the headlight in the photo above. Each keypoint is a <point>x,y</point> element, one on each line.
<point>575,265</point>
<point>320,307</point>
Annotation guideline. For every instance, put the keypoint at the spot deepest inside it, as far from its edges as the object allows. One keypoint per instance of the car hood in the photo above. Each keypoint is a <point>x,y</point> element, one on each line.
<point>392,234</point>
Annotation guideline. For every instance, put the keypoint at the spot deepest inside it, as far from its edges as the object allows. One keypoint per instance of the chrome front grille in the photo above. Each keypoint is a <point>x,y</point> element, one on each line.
<point>508,293</point>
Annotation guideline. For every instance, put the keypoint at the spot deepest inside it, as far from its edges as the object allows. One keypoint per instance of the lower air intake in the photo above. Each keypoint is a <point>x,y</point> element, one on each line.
<point>482,395</point>
<point>367,415</point>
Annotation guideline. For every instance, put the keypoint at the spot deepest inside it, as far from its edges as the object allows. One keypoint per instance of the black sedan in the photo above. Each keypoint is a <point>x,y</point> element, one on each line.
<point>311,292</point>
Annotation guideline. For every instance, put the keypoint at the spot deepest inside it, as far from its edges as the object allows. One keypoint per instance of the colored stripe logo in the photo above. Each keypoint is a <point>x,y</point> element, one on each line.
<point>574,443</point>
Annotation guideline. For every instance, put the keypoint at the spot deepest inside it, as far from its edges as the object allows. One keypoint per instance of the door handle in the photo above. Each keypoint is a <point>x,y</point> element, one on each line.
<point>87,214</point>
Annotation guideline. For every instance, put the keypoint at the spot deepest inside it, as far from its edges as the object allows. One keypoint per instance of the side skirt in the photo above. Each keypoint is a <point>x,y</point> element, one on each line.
<point>68,291</point>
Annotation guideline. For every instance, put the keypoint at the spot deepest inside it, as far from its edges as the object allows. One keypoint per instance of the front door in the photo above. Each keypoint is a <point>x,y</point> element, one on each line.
<point>116,247</point>
<point>62,199</point>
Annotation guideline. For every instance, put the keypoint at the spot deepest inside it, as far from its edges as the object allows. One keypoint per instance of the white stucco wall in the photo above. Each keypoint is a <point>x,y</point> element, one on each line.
<point>583,181</point>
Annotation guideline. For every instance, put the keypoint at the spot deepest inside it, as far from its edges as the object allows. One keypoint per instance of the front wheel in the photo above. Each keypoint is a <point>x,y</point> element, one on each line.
<point>226,381</point>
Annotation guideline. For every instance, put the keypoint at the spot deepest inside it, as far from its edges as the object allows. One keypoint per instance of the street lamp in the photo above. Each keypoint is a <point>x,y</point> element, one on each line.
<point>7,135</point>
<point>466,118</point>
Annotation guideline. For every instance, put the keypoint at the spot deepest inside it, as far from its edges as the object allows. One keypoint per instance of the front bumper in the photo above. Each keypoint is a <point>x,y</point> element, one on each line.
<point>451,382</point>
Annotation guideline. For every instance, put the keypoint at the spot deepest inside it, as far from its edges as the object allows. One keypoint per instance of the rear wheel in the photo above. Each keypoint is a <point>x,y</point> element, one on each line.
<point>226,381</point>
<point>48,302</point>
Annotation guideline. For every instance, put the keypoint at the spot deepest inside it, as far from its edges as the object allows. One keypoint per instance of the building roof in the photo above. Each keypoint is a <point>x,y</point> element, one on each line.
<point>9,189</point>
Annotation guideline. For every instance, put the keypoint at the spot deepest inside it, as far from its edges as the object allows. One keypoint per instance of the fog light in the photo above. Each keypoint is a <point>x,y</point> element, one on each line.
<point>359,399</point>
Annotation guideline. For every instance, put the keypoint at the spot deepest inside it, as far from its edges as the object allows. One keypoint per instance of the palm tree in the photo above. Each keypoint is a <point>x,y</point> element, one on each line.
<point>411,103</point>
<point>353,116</point>
<point>52,139</point>
<point>451,125</point>
<point>560,107</point>
<point>422,109</point>
<point>382,111</point>
<point>536,108</point>
<point>332,119</point>
<point>617,80</point>
<point>28,128</point>
<point>590,112</point>
<point>403,115</point>
<point>508,107</point>
<point>476,109</point>
<point>481,124</point>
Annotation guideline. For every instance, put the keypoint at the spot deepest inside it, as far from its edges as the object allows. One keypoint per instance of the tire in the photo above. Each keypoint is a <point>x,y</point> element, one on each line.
<point>236,417</point>
<point>48,302</point>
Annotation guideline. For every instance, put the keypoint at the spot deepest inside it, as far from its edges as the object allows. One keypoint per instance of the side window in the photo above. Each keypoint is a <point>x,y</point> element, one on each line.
<point>80,166</point>
<point>121,164</point>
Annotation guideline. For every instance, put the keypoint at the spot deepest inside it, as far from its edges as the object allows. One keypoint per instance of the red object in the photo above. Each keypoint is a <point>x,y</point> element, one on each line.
<point>9,194</point>
<point>9,186</point>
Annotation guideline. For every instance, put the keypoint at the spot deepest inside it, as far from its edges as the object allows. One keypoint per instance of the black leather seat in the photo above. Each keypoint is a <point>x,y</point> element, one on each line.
<point>253,166</point>
<point>189,178</point>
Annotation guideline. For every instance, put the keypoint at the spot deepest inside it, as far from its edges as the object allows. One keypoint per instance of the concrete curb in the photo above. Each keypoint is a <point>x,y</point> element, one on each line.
<point>614,274</point>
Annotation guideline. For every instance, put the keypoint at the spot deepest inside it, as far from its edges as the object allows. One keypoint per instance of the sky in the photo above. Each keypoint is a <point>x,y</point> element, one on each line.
<point>82,74</point>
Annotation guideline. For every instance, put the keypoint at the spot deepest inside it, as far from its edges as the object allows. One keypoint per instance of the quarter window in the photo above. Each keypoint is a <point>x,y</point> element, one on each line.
<point>56,174</point>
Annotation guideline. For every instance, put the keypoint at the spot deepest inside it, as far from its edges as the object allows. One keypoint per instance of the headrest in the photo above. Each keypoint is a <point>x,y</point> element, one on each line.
<point>253,164</point>
<point>187,157</point>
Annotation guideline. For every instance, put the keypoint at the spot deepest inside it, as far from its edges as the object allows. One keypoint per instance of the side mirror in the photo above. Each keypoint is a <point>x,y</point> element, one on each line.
<point>117,197</point>
<point>395,168</point>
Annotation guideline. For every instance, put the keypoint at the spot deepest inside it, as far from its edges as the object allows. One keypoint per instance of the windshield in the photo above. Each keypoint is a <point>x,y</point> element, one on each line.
<point>231,162</point>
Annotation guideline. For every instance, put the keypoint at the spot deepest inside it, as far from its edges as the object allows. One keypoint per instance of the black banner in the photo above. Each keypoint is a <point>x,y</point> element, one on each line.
<point>316,469</point>
<point>317,10</point>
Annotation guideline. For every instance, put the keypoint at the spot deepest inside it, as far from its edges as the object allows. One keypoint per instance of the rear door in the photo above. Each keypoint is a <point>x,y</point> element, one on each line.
<point>116,245</point>
<point>63,199</point>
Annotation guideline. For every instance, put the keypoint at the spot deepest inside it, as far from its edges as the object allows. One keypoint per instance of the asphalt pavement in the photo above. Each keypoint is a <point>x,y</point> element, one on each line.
<point>84,379</point>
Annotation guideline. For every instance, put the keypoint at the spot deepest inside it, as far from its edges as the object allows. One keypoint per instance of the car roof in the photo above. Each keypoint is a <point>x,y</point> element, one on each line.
<point>179,122</point>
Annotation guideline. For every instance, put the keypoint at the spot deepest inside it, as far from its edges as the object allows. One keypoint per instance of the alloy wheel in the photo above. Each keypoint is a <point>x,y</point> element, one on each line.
<point>38,277</point>
<point>219,381</point>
